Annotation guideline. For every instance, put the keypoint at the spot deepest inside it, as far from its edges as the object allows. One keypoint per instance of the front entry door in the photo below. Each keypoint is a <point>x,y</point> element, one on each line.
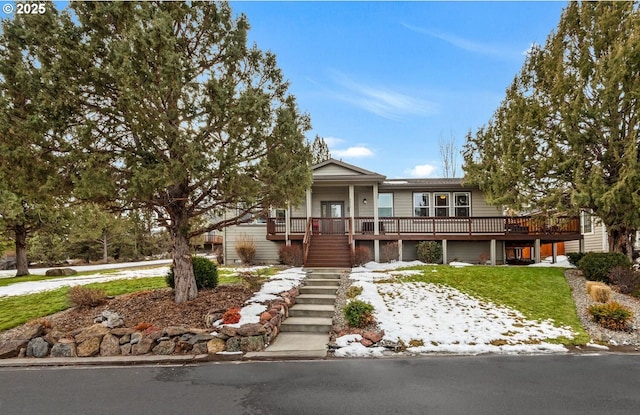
<point>332,218</point>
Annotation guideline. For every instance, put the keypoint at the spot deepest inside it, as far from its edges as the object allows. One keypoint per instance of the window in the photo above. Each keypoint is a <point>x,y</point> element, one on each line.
<point>441,204</point>
<point>462,204</point>
<point>385,205</point>
<point>586,223</point>
<point>421,204</point>
<point>255,216</point>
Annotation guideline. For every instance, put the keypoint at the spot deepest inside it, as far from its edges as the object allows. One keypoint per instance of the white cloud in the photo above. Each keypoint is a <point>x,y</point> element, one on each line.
<point>462,43</point>
<point>333,141</point>
<point>382,101</point>
<point>353,152</point>
<point>421,171</point>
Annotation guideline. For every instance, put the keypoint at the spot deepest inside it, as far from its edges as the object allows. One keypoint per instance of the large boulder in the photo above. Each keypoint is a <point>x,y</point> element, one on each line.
<point>38,347</point>
<point>60,272</point>
<point>110,345</point>
<point>89,348</point>
<point>13,341</point>
<point>65,348</point>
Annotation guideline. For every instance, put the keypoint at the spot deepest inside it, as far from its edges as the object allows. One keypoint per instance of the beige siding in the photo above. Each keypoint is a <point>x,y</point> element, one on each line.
<point>334,170</point>
<point>266,251</point>
<point>464,251</point>
<point>593,242</point>
<point>479,206</point>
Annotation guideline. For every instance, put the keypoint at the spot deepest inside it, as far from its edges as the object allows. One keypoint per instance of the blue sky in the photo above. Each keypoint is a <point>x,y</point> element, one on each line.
<point>384,82</point>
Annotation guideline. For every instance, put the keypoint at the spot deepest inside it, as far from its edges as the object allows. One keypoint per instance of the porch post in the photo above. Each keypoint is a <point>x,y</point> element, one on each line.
<point>536,248</point>
<point>492,249</point>
<point>287,225</point>
<point>351,202</point>
<point>400,250</point>
<point>308,203</point>
<point>445,256</point>
<point>376,242</point>
<point>554,252</point>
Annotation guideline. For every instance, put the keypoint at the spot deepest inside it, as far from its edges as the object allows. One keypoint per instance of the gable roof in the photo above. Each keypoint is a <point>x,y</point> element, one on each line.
<point>333,170</point>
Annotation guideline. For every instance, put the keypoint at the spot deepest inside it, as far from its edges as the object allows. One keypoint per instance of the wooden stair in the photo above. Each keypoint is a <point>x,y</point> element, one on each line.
<point>329,251</point>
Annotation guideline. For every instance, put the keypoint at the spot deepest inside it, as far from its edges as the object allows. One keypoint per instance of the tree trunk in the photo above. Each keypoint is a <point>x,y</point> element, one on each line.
<point>22,264</point>
<point>620,241</point>
<point>185,281</point>
<point>105,248</point>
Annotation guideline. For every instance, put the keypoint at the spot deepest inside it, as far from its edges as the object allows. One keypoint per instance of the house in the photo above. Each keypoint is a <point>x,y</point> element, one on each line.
<point>595,236</point>
<point>348,207</point>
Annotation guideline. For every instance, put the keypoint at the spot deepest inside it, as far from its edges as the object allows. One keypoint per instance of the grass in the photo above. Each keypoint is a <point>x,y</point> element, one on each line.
<point>538,293</point>
<point>21,309</point>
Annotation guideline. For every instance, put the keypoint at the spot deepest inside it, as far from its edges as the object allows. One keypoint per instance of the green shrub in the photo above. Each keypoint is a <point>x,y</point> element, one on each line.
<point>626,279</point>
<point>205,271</point>
<point>361,255</point>
<point>429,252</point>
<point>575,257</point>
<point>613,315</point>
<point>595,266</point>
<point>291,255</point>
<point>358,313</point>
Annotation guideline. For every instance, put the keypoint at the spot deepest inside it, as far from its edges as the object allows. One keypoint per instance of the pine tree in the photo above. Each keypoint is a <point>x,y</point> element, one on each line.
<point>566,135</point>
<point>180,116</point>
<point>320,150</point>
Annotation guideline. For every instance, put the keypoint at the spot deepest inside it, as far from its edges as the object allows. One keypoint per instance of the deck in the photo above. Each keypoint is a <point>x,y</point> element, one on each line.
<point>519,228</point>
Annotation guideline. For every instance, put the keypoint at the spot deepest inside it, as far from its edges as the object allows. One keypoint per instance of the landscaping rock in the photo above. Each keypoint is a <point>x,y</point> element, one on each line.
<point>165,347</point>
<point>252,344</point>
<point>215,345</point>
<point>38,347</point>
<point>248,330</point>
<point>200,348</point>
<point>142,347</point>
<point>96,331</point>
<point>228,331</point>
<point>110,346</point>
<point>64,349</point>
<point>200,338</point>
<point>373,336</point>
<point>125,339</point>
<point>110,319</point>
<point>89,348</point>
<point>136,337</point>
<point>212,317</point>
<point>60,272</point>
<point>173,331</point>
<point>125,349</point>
<point>122,331</point>
<point>233,344</point>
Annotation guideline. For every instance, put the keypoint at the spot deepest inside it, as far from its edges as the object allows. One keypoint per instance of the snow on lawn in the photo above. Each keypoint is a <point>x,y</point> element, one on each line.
<point>561,262</point>
<point>441,319</point>
<point>31,287</point>
<point>280,282</point>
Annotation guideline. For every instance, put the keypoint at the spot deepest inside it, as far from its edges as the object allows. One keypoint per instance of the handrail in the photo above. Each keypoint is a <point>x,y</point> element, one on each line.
<point>307,240</point>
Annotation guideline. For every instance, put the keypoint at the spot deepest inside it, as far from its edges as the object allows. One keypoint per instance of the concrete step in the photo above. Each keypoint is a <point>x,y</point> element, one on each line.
<point>316,299</point>
<point>311,310</point>
<point>306,325</point>
<point>314,282</point>
<point>338,270</point>
<point>294,346</point>
<point>319,289</point>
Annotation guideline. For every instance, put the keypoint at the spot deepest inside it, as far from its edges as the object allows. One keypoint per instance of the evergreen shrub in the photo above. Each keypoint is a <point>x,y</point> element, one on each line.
<point>613,315</point>
<point>575,257</point>
<point>429,252</point>
<point>595,266</point>
<point>205,271</point>
<point>358,313</point>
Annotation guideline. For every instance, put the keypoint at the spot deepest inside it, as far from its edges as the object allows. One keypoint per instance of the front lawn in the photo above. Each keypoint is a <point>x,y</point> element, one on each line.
<point>538,293</point>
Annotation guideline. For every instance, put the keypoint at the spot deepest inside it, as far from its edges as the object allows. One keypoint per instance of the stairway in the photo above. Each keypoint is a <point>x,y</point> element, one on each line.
<point>329,251</point>
<point>305,333</point>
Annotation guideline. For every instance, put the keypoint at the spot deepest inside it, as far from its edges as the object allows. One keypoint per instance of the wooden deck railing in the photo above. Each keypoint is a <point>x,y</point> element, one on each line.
<point>498,225</point>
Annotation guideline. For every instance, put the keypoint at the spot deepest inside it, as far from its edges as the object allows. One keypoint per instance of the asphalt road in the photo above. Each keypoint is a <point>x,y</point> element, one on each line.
<point>566,384</point>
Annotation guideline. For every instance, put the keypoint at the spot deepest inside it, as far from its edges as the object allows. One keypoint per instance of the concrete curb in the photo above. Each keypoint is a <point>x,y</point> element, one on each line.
<point>103,361</point>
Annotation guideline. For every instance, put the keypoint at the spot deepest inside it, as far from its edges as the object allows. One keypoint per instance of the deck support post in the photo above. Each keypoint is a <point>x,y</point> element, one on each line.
<point>445,256</point>
<point>554,252</point>
<point>492,250</point>
<point>400,250</point>
<point>536,248</point>
<point>287,225</point>
<point>376,250</point>
<point>581,245</point>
